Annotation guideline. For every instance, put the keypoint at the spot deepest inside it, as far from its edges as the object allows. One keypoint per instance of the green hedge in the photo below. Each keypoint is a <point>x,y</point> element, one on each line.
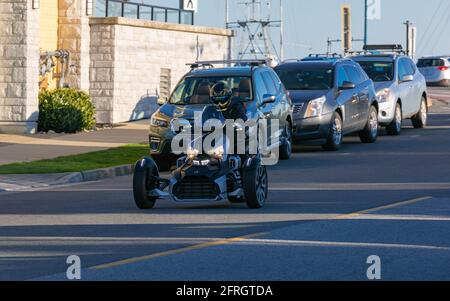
<point>65,111</point>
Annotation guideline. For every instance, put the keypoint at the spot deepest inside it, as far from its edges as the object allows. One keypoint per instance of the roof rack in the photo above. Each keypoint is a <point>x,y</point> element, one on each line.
<point>210,64</point>
<point>325,55</point>
<point>290,60</point>
<point>381,49</point>
<point>322,57</point>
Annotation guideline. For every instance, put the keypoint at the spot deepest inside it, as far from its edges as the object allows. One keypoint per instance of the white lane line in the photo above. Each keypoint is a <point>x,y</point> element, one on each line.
<point>402,218</point>
<point>363,186</point>
<point>301,243</point>
<point>297,187</point>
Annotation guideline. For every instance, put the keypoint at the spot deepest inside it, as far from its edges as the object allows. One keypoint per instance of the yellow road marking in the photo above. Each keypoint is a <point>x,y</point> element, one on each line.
<point>176,251</point>
<point>238,239</point>
<point>395,205</point>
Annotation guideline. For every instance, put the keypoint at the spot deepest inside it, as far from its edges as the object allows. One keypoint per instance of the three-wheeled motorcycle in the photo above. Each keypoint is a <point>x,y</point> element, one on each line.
<point>211,176</point>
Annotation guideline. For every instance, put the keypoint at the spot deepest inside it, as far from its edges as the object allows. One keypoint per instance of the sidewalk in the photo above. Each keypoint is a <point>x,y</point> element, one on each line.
<point>26,148</point>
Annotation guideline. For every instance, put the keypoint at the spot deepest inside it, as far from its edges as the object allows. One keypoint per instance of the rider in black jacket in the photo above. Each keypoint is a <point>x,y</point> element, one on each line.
<point>232,107</point>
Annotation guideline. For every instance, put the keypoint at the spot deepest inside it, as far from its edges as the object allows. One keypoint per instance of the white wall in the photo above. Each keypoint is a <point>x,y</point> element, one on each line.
<point>127,56</point>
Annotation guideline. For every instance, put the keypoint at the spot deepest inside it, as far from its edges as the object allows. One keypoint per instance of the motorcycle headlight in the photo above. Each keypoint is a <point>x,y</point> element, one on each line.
<point>217,152</point>
<point>383,95</point>
<point>159,122</point>
<point>315,107</point>
<point>192,153</point>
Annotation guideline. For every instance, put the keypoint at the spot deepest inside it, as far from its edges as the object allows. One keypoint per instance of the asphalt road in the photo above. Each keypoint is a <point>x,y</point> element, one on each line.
<point>326,214</point>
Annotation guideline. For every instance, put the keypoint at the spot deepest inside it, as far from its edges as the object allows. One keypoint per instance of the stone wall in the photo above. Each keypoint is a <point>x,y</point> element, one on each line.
<point>74,36</point>
<point>127,57</point>
<point>19,57</point>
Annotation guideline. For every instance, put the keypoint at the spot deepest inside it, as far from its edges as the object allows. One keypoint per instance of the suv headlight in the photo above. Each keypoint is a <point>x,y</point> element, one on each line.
<point>315,107</point>
<point>159,121</point>
<point>383,95</point>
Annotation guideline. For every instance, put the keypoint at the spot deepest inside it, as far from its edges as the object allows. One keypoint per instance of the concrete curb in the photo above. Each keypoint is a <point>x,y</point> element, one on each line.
<point>97,174</point>
<point>73,178</point>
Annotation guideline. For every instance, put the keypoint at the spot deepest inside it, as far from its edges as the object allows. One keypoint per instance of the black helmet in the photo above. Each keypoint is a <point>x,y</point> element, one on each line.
<point>221,96</point>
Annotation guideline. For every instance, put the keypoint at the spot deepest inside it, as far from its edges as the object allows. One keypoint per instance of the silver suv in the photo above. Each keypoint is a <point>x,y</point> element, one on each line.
<point>401,89</point>
<point>436,70</point>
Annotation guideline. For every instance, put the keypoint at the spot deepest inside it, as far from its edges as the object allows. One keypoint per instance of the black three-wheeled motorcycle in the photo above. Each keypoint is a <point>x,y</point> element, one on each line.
<point>204,177</point>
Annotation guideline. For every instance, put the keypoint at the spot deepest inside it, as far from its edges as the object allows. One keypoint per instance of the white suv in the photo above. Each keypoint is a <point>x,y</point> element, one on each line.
<point>401,90</point>
<point>436,70</point>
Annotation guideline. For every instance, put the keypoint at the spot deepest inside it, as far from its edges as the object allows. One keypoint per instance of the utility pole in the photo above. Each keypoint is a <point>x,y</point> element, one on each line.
<point>408,37</point>
<point>330,45</point>
<point>281,31</point>
<point>227,14</point>
<point>365,22</point>
<point>256,40</point>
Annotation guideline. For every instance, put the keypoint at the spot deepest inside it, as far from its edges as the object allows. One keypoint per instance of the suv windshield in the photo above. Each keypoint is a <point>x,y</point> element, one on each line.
<point>197,90</point>
<point>307,78</point>
<point>379,71</point>
<point>423,63</point>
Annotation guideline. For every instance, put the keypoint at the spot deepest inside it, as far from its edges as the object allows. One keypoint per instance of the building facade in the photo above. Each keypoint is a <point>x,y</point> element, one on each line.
<point>123,62</point>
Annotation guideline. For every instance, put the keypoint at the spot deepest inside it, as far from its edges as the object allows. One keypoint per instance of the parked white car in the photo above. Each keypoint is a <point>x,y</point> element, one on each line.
<point>401,89</point>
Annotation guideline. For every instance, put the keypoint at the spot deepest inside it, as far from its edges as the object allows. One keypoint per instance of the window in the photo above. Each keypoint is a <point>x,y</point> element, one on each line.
<point>424,63</point>
<point>342,76</point>
<point>130,11</point>
<point>198,90</point>
<point>306,77</point>
<point>269,83</point>
<point>260,86</point>
<point>412,66</point>
<point>404,69</point>
<point>277,81</point>
<point>354,74</point>
<point>114,9</point>
<point>142,10</point>
<point>379,71</point>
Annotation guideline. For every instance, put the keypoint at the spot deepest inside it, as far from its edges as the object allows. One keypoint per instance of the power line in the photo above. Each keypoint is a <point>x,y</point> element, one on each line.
<point>436,27</point>
<point>434,16</point>
<point>442,30</point>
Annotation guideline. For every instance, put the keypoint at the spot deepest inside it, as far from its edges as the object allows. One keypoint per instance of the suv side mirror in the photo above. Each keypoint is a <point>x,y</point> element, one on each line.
<point>407,78</point>
<point>162,101</point>
<point>268,98</point>
<point>346,85</point>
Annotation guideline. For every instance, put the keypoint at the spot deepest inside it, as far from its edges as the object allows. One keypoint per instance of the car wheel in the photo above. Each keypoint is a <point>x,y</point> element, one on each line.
<point>395,127</point>
<point>286,147</point>
<point>420,120</point>
<point>143,184</point>
<point>334,139</point>
<point>370,132</point>
<point>256,186</point>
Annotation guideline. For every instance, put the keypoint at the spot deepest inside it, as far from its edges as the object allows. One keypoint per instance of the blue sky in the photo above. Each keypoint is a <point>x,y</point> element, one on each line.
<point>311,22</point>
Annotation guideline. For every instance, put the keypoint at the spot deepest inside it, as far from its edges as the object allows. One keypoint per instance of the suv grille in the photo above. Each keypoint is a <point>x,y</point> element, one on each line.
<point>196,188</point>
<point>298,108</point>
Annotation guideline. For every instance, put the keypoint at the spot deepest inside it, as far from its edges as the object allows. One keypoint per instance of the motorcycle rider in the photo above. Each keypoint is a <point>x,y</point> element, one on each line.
<point>232,107</point>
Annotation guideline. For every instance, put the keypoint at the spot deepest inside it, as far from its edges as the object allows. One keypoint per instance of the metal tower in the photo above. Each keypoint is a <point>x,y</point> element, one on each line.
<point>255,32</point>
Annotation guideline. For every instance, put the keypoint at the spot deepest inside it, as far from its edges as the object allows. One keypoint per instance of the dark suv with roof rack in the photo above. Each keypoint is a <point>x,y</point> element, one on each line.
<point>332,97</point>
<point>254,83</point>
